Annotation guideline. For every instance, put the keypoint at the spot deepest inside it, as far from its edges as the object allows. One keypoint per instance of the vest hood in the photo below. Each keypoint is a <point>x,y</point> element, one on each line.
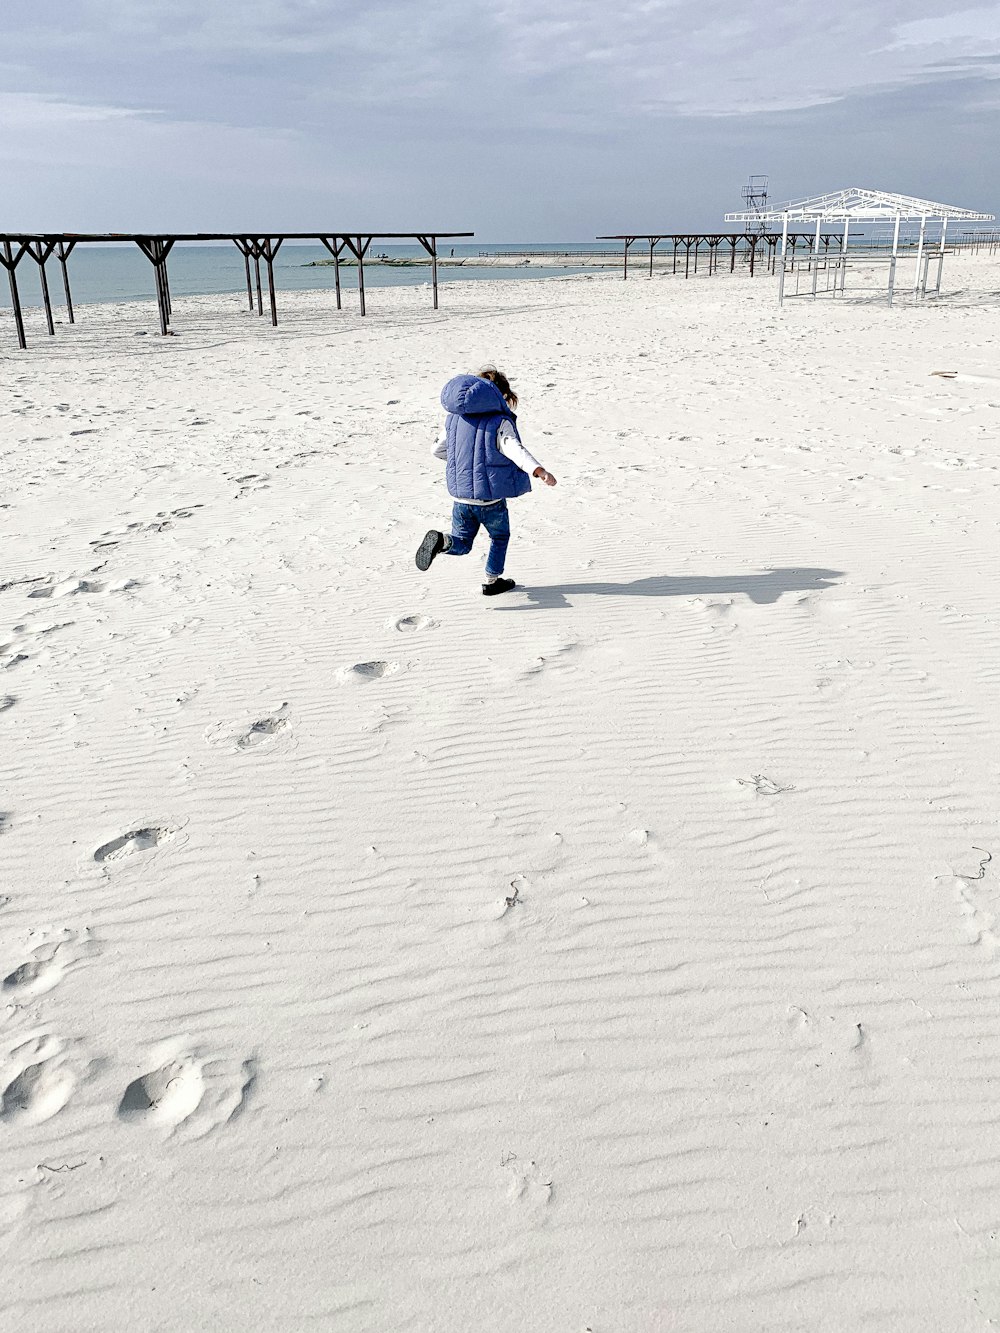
<point>469,396</point>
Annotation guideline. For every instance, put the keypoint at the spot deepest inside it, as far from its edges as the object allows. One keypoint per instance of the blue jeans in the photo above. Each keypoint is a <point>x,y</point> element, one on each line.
<point>465,523</point>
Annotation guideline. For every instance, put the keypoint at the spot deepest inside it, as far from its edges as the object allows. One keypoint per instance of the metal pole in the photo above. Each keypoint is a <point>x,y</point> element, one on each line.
<point>651,244</point>
<point>430,245</point>
<point>164,302</point>
<point>151,248</point>
<point>944,228</point>
<point>256,265</point>
<point>675,254</point>
<point>245,252</point>
<point>628,242</point>
<point>361,271</point>
<point>161,295</point>
<point>269,252</point>
<point>697,243</point>
<point>64,254</point>
<point>753,253</point>
<point>815,256</point>
<point>15,300</point>
<point>335,246</point>
<point>732,254</point>
<point>165,250</point>
<point>784,247</point>
<point>892,262</point>
<point>43,280</point>
<point>843,253</point>
<point>920,256</point>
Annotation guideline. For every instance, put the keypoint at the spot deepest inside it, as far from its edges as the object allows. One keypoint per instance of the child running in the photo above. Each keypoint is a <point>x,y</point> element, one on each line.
<point>487,466</point>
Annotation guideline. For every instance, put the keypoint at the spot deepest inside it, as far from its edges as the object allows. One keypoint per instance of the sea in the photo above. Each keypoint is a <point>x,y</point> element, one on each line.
<point>120,272</point>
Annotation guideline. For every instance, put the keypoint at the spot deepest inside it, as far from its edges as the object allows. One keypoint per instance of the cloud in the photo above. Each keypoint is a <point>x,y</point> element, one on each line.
<point>23,113</point>
<point>489,58</point>
<point>533,108</point>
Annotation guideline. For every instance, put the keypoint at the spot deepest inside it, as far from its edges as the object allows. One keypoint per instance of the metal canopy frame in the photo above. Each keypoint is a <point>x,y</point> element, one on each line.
<point>156,247</point>
<point>863,205</point>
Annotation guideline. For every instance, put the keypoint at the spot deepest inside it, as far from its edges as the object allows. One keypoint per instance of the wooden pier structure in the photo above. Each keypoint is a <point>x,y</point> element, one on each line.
<point>755,248</point>
<point>40,247</point>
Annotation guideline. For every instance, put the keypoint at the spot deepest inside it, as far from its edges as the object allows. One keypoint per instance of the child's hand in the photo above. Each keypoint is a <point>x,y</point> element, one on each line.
<point>542,475</point>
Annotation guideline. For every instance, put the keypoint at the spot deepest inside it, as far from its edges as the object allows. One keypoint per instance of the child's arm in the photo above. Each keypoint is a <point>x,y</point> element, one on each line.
<point>511,447</point>
<point>441,446</point>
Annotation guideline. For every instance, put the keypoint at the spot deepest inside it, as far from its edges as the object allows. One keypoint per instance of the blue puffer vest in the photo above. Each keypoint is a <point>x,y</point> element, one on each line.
<point>477,470</point>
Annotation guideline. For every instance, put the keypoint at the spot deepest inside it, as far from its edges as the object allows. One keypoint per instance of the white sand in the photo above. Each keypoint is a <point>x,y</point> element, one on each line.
<point>614,955</point>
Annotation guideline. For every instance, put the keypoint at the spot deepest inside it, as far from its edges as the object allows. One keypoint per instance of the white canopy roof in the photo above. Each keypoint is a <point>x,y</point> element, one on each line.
<point>860,205</point>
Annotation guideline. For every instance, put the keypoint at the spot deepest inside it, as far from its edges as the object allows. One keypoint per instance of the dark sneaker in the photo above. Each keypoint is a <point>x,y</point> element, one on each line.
<point>432,545</point>
<point>497,586</point>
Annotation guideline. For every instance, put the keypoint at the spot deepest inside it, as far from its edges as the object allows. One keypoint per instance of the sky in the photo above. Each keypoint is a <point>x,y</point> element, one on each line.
<point>520,120</point>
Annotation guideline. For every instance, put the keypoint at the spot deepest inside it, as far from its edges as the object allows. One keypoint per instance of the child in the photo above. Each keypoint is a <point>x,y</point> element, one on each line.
<point>487,466</point>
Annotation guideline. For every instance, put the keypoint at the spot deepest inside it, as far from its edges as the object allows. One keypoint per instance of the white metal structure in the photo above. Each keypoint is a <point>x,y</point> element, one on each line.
<point>873,206</point>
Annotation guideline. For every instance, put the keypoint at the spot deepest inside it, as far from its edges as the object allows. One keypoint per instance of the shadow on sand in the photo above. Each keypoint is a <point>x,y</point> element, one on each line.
<point>760,588</point>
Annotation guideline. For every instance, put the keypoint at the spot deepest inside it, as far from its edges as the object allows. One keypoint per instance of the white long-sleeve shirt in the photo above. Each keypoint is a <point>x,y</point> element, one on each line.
<point>508,444</point>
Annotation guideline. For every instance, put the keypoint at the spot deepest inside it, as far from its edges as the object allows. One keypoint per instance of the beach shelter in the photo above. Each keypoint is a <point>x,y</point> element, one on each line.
<point>865,206</point>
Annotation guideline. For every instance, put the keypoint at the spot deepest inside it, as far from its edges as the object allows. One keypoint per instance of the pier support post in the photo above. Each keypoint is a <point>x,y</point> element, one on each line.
<point>335,245</point>
<point>359,248</point>
<point>270,249</point>
<point>430,245</point>
<point>244,249</point>
<point>64,249</point>
<point>10,260</point>
<point>40,251</point>
<point>156,249</point>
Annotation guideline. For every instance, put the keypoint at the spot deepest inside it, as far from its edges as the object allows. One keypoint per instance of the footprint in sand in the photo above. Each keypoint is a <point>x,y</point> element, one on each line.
<point>47,964</point>
<point>262,731</point>
<point>362,673</point>
<point>138,840</point>
<point>6,701</point>
<point>190,1093</point>
<point>161,523</point>
<point>37,1081</point>
<point>529,1188</point>
<point>68,588</point>
<point>261,734</point>
<point>980,922</point>
<point>411,624</point>
<point>796,1019</point>
<point>251,481</point>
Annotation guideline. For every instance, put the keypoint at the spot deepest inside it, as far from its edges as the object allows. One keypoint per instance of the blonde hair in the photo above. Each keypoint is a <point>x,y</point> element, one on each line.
<point>498,378</point>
